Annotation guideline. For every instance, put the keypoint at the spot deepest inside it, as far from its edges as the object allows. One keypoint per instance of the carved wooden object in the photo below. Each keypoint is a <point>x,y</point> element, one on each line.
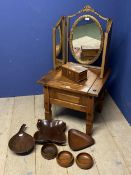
<point>85,36</point>
<point>22,143</point>
<point>50,131</point>
<point>74,71</point>
<point>65,159</point>
<point>49,151</point>
<point>78,140</point>
<point>84,160</point>
<point>79,96</point>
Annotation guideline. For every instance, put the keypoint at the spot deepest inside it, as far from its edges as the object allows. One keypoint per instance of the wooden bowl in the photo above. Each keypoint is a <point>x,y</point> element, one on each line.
<point>84,160</point>
<point>78,140</point>
<point>65,159</point>
<point>50,131</point>
<point>49,151</point>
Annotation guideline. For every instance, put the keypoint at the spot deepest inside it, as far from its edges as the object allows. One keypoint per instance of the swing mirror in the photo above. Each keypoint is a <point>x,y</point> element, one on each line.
<point>86,39</point>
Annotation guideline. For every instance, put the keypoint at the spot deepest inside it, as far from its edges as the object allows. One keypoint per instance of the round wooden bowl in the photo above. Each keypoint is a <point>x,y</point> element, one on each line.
<point>84,161</point>
<point>49,151</point>
<point>65,159</point>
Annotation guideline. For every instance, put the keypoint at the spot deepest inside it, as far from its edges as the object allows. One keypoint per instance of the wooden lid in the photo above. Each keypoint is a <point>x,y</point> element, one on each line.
<point>74,67</point>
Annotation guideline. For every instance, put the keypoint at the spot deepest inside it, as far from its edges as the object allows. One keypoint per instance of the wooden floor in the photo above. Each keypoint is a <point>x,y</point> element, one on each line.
<point>112,134</point>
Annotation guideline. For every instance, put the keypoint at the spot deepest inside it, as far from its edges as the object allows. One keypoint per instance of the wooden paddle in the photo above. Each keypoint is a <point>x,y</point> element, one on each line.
<point>22,143</point>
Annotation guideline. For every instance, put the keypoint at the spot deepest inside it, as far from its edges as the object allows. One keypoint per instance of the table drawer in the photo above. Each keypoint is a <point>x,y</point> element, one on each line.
<point>67,96</point>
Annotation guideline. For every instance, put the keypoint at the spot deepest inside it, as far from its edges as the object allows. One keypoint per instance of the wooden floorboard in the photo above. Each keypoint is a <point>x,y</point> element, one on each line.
<point>112,134</point>
<point>119,130</point>
<point>43,166</point>
<point>74,120</point>
<point>23,113</point>
<point>6,112</point>
<point>107,155</point>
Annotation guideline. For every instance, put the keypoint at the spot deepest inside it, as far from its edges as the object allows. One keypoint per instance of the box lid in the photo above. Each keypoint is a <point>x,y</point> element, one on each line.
<point>74,67</point>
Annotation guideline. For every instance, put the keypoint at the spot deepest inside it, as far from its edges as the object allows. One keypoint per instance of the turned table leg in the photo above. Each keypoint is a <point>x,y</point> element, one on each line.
<point>47,105</point>
<point>89,115</point>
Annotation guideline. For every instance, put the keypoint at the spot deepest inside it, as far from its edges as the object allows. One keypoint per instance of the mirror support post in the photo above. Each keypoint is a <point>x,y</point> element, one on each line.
<point>67,36</point>
<point>107,38</point>
<point>54,47</point>
<point>64,32</point>
<point>104,54</point>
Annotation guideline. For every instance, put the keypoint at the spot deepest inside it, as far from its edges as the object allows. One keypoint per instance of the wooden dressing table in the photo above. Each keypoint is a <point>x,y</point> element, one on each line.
<point>86,94</point>
<point>79,96</point>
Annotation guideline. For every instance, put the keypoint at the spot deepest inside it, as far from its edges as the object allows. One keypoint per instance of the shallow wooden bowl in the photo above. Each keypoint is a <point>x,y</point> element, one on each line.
<point>65,159</point>
<point>49,151</point>
<point>84,160</point>
<point>50,131</point>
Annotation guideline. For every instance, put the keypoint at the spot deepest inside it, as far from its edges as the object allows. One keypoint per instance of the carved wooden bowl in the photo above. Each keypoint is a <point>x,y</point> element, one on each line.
<point>84,160</point>
<point>51,123</point>
<point>65,159</point>
<point>79,140</point>
<point>49,151</point>
<point>50,131</point>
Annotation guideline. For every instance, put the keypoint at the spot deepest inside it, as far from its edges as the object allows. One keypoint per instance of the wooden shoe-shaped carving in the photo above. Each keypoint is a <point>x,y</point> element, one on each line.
<point>78,140</point>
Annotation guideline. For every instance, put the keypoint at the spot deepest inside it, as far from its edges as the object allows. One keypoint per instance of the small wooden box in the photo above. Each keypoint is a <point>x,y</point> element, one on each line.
<point>74,71</point>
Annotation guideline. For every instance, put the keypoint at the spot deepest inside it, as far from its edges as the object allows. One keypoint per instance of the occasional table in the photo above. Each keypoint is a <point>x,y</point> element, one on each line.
<point>80,96</point>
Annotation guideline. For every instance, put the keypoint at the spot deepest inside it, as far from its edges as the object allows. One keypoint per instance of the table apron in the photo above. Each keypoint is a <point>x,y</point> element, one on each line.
<point>67,99</point>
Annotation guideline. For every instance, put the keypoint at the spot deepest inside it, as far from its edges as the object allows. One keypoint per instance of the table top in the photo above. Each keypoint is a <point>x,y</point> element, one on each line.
<point>91,86</point>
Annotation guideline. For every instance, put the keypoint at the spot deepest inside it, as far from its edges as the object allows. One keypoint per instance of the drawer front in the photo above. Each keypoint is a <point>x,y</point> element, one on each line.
<point>68,97</point>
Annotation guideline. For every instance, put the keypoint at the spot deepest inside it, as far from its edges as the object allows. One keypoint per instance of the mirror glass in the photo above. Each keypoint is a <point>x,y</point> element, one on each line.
<point>86,39</point>
<point>58,41</point>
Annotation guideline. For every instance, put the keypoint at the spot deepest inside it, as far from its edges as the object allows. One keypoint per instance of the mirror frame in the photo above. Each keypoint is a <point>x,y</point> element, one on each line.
<point>60,44</point>
<point>71,39</point>
<point>100,70</point>
<point>57,63</point>
<point>65,23</point>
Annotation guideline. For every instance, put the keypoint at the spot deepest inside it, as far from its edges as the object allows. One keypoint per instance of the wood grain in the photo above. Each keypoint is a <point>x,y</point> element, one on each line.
<point>111,152</point>
<point>23,113</point>
<point>98,85</point>
<point>44,166</point>
<point>6,112</point>
<point>119,129</point>
<point>108,158</point>
<point>75,120</point>
<point>73,95</point>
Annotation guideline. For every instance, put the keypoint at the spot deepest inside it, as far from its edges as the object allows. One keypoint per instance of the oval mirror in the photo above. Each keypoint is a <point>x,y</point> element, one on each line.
<point>58,40</point>
<point>86,39</point>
